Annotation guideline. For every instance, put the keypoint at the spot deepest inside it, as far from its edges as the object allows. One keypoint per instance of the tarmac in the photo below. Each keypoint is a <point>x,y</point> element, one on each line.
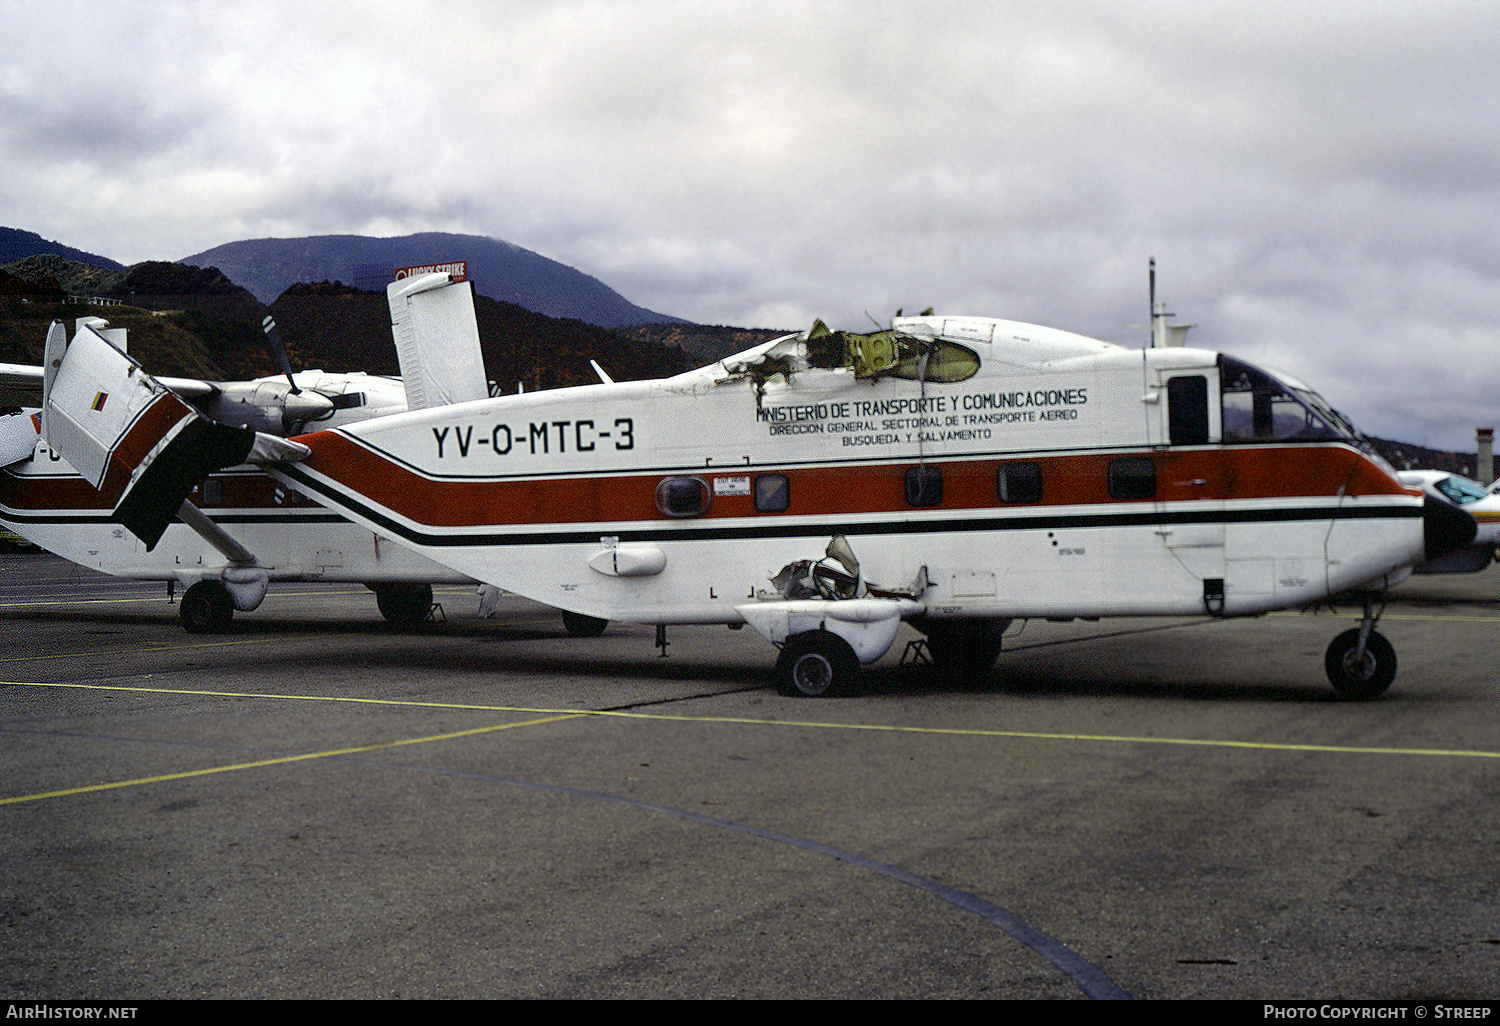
<point>314,805</point>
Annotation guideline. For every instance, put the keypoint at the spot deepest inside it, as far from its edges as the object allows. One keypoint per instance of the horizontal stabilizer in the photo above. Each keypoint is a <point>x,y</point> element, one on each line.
<point>20,385</point>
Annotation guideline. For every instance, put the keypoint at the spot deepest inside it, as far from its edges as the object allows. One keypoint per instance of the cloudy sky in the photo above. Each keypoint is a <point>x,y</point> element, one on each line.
<point>1319,182</point>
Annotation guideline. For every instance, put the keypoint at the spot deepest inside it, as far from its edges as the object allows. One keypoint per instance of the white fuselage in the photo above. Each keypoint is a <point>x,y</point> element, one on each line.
<point>1056,480</point>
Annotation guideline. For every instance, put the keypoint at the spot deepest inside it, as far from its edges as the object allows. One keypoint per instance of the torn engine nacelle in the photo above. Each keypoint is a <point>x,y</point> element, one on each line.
<point>246,586</point>
<point>869,625</point>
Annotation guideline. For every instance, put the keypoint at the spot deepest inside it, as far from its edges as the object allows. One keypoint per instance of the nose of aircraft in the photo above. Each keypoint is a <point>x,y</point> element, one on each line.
<point>1445,527</point>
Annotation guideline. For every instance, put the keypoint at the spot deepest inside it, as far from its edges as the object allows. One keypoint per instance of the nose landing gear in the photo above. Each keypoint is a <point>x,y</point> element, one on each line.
<point>1361,664</point>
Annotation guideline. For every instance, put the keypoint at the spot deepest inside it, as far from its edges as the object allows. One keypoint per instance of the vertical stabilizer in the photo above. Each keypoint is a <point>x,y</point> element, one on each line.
<point>437,340</point>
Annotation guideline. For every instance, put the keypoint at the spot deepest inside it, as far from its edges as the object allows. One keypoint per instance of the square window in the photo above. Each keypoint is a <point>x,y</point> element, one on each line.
<point>924,486</point>
<point>1132,478</point>
<point>682,496</point>
<point>773,493</point>
<point>1019,482</point>
<point>1187,410</point>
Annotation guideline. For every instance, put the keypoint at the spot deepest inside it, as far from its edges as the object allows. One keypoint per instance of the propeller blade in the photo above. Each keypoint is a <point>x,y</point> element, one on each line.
<point>268,325</point>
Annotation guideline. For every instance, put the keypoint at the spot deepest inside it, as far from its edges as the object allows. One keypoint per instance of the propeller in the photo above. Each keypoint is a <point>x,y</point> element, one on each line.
<point>268,325</point>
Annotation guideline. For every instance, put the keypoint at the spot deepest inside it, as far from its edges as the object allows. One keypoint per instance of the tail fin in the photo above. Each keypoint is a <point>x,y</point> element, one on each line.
<point>129,435</point>
<point>437,340</point>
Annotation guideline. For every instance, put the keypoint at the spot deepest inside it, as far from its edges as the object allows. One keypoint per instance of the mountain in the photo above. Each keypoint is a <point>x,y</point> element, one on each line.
<point>16,244</point>
<point>1406,456</point>
<point>499,270</point>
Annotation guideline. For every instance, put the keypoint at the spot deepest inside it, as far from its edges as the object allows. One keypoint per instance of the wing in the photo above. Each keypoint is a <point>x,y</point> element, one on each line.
<point>20,386</point>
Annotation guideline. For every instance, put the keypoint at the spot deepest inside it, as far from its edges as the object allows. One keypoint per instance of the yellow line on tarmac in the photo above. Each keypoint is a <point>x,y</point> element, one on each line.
<point>274,762</point>
<point>806,724</point>
<point>353,589</point>
<point>136,599</point>
<point>76,602</point>
<point>151,648</point>
<point>1409,616</point>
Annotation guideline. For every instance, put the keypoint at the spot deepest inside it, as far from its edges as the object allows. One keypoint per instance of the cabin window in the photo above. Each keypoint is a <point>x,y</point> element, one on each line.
<point>213,492</point>
<point>1187,410</point>
<point>1132,478</point>
<point>682,496</point>
<point>1019,482</point>
<point>773,493</point>
<point>924,485</point>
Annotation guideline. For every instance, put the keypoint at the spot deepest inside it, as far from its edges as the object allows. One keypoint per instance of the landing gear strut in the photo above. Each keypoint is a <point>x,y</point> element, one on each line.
<point>1361,664</point>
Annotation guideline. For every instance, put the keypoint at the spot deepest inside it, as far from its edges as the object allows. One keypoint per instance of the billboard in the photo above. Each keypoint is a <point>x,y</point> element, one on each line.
<point>458,268</point>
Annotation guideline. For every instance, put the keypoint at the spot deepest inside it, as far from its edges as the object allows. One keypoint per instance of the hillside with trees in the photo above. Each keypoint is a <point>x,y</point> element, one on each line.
<point>194,322</point>
<point>337,327</point>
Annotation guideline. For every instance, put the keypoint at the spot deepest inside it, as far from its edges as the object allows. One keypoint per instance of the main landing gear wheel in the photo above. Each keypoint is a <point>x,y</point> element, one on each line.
<point>1357,676</point>
<point>966,650</point>
<point>581,625</point>
<point>816,664</point>
<point>206,608</point>
<point>970,658</point>
<point>404,605</point>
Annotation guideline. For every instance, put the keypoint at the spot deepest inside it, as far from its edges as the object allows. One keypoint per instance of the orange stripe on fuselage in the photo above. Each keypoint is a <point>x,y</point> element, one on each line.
<point>841,490</point>
<point>35,492</point>
<point>71,493</point>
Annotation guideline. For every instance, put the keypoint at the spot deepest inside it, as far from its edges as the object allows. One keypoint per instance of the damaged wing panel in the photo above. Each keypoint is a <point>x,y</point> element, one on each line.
<point>888,353</point>
<point>898,355</point>
<point>134,440</point>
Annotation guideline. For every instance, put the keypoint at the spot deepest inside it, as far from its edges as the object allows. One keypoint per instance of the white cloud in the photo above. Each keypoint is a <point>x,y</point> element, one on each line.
<point>1315,179</point>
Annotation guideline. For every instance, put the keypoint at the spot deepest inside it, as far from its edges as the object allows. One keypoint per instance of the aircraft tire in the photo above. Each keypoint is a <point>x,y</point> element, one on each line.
<point>404,605</point>
<point>1360,680</point>
<point>206,608</point>
<point>580,625</point>
<point>816,664</point>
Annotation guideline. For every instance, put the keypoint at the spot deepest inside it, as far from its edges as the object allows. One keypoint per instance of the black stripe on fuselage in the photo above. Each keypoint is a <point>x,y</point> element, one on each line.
<point>53,516</point>
<point>922,523</point>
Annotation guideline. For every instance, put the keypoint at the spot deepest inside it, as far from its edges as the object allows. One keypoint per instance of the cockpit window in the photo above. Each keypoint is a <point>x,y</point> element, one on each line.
<point>1259,408</point>
<point>1460,491</point>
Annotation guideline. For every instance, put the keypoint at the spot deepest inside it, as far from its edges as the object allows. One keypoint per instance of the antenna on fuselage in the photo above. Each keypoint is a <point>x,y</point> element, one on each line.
<point>1163,334</point>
